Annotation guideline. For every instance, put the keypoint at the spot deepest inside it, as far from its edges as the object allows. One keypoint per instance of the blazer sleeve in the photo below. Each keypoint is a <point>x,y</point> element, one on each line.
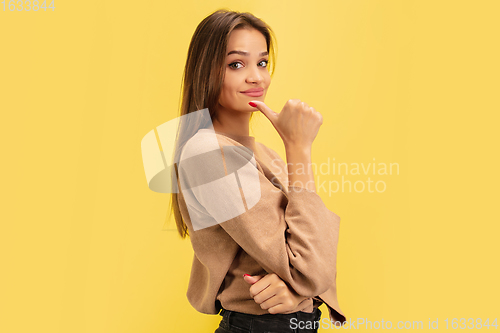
<point>290,233</point>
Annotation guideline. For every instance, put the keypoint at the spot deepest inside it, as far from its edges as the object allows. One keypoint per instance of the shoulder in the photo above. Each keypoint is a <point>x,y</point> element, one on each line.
<point>203,142</point>
<point>265,148</point>
<point>208,155</point>
<point>270,153</point>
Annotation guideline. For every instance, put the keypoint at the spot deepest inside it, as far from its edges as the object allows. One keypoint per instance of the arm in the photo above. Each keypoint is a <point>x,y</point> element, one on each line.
<point>275,295</point>
<point>293,235</point>
<point>300,173</point>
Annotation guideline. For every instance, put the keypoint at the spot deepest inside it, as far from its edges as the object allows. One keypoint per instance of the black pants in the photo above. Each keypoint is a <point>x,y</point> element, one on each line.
<point>297,322</point>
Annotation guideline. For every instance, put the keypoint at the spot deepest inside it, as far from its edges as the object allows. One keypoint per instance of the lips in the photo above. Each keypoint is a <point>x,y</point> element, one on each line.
<point>254,92</point>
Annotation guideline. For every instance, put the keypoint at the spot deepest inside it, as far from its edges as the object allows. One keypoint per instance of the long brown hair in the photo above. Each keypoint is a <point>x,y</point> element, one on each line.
<point>204,76</point>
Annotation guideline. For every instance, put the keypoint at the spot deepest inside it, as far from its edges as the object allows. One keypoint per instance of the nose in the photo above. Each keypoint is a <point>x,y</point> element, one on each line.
<point>254,75</point>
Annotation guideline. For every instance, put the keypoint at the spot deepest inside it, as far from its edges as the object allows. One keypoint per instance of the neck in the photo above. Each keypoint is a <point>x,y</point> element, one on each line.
<point>235,122</point>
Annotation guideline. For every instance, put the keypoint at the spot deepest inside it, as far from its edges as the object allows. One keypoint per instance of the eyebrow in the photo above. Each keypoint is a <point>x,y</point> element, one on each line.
<point>246,53</point>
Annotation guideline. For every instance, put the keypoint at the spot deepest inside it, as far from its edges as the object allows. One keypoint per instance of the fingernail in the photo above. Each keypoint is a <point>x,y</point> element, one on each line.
<point>252,104</point>
<point>246,275</point>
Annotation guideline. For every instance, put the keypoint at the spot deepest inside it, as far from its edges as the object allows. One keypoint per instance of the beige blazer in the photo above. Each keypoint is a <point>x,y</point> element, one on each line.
<point>243,218</point>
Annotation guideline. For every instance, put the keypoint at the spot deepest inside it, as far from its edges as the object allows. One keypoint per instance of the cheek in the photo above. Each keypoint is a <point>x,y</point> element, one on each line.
<point>227,96</point>
<point>229,84</point>
<point>229,90</point>
<point>268,78</point>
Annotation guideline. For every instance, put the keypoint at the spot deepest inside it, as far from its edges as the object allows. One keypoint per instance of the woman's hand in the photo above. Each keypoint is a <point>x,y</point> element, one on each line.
<point>297,124</point>
<point>274,295</point>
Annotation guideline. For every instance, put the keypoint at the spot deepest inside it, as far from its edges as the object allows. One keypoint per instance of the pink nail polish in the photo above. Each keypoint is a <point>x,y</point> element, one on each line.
<point>246,275</point>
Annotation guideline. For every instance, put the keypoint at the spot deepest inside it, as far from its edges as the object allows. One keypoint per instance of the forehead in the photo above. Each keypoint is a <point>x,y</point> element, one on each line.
<point>247,40</point>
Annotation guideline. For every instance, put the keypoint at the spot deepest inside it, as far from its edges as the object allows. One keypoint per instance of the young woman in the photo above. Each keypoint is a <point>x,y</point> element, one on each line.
<point>265,244</point>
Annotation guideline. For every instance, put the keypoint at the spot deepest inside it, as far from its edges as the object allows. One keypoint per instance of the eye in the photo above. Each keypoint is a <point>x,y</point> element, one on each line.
<point>265,61</point>
<point>234,63</point>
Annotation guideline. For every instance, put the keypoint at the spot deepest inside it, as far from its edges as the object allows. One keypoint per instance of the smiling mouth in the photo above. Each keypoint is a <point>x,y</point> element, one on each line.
<point>253,93</point>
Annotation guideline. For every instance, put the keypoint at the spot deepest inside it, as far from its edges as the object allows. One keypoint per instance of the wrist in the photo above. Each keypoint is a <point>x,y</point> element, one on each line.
<point>298,148</point>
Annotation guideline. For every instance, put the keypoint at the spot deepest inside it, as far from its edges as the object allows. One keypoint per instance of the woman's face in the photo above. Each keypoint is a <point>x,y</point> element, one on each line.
<point>246,68</point>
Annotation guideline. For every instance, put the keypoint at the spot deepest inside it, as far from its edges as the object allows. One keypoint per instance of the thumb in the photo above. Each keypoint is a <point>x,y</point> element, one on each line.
<point>252,279</point>
<point>266,110</point>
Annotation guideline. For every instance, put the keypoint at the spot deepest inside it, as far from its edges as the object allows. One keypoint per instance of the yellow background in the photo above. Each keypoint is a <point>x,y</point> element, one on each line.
<point>410,82</point>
